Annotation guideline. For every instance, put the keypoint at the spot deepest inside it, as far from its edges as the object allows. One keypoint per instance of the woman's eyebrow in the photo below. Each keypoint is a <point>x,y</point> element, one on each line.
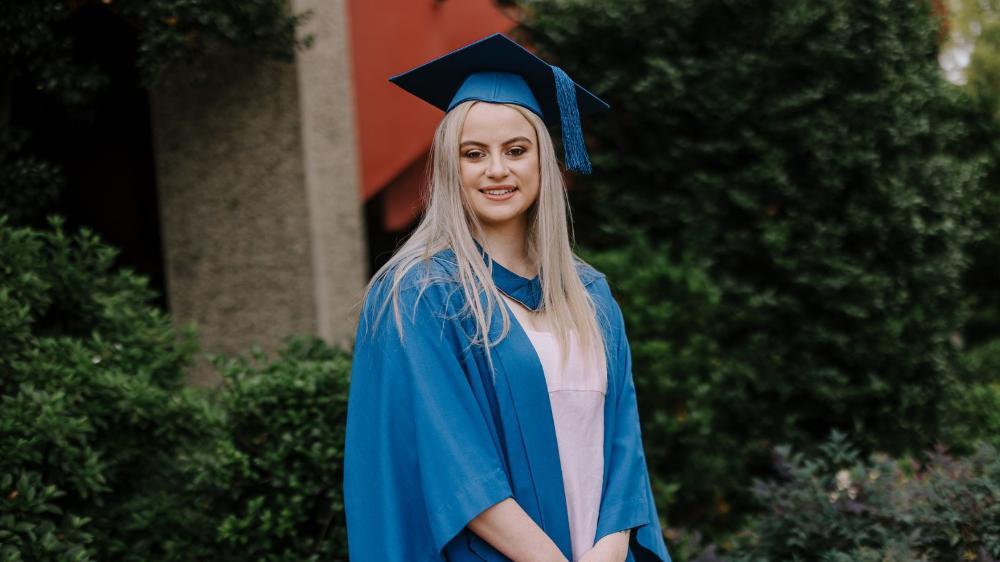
<point>515,139</point>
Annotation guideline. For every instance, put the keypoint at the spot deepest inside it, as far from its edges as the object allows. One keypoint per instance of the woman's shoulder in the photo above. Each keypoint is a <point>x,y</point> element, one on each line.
<point>433,274</point>
<point>596,283</point>
<point>406,293</point>
<point>589,274</point>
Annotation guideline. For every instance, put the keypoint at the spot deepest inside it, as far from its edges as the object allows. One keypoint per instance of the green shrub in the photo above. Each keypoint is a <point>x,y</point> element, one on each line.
<point>92,409</point>
<point>27,183</point>
<point>275,475</point>
<point>108,456</point>
<point>813,158</point>
<point>669,305</point>
<point>982,279</point>
<point>834,507</point>
<point>972,409</point>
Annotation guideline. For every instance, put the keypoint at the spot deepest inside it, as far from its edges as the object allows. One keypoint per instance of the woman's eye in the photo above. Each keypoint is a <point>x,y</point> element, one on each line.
<point>517,151</point>
<point>473,154</point>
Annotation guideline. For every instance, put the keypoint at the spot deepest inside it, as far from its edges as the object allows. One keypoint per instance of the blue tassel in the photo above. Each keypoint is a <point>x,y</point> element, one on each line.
<point>572,131</point>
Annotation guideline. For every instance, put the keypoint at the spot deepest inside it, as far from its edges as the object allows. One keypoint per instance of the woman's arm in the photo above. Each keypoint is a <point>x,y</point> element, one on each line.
<point>510,530</point>
<point>611,548</point>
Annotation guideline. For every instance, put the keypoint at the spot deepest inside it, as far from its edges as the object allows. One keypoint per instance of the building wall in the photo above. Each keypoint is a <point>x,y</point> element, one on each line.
<point>333,178</point>
<point>258,186</point>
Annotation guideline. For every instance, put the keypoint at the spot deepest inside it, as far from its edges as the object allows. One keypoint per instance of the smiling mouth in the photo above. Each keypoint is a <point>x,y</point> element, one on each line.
<point>499,190</point>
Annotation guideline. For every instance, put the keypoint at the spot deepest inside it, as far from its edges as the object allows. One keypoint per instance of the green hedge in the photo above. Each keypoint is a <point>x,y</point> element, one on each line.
<point>669,305</point>
<point>108,456</point>
<point>835,507</point>
<point>93,411</point>
<point>275,475</point>
<point>812,160</point>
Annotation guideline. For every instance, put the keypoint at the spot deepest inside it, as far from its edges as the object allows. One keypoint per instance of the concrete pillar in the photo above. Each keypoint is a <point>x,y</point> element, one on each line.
<point>259,196</point>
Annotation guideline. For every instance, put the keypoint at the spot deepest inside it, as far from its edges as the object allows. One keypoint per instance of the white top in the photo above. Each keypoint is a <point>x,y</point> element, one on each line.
<point>576,394</point>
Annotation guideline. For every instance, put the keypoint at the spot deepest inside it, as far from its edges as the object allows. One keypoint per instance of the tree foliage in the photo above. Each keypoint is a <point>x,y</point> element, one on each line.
<point>54,61</point>
<point>977,27</point>
<point>812,160</point>
<point>46,42</point>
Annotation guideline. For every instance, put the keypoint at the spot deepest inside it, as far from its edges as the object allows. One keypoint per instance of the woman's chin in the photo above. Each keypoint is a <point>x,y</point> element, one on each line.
<point>496,220</point>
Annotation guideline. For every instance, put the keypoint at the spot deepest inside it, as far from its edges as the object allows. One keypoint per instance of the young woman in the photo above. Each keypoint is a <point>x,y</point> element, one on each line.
<point>492,413</point>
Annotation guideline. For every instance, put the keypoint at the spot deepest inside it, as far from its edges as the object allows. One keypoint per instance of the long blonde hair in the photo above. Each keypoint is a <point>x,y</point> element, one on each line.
<point>449,221</point>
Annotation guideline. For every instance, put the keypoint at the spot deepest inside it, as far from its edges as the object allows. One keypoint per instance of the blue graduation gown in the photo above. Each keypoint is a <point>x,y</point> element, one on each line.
<point>432,440</point>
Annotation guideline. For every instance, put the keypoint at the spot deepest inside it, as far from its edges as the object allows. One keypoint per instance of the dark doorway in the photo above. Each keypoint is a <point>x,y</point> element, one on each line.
<point>103,147</point>
<point>382,243</point>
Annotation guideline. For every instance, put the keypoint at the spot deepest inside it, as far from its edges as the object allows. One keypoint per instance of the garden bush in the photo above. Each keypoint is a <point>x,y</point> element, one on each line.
<point>982,279</point>
<point>972,410</point>
<point>833,506</point>
<point>669,304</point>
<point>811,156</point>
<point>92,409</point>
<point>274,477</point>
<point>108,456</point>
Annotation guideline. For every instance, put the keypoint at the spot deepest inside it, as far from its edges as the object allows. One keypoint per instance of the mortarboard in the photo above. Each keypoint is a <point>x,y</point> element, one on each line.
<point>496,69</point>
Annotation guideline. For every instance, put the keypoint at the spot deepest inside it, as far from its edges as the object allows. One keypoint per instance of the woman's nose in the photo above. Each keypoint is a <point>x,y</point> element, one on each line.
<point>497,167</point>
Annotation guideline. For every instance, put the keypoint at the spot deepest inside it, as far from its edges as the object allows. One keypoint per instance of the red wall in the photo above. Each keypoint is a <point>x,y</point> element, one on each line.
<point>395,128</point>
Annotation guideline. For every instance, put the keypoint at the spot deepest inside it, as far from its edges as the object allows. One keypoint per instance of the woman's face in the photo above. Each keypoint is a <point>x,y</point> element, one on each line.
<point>499,164</point>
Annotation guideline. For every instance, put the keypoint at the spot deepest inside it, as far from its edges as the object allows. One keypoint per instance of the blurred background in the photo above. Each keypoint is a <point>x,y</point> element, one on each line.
<point>795,203</point>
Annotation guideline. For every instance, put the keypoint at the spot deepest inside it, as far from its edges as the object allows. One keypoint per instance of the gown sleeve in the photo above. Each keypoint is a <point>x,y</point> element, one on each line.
<point>420,460</point>
<point>628,499</point>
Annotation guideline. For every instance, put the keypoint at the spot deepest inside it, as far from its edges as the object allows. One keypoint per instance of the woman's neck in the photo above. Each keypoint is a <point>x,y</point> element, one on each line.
<point>509,247</point>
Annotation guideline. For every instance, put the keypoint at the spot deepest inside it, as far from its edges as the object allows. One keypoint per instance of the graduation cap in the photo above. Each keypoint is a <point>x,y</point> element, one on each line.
<point>496,69</point>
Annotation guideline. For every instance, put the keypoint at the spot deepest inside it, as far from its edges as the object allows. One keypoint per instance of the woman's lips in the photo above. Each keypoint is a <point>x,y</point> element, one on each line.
<point>500,193</point>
